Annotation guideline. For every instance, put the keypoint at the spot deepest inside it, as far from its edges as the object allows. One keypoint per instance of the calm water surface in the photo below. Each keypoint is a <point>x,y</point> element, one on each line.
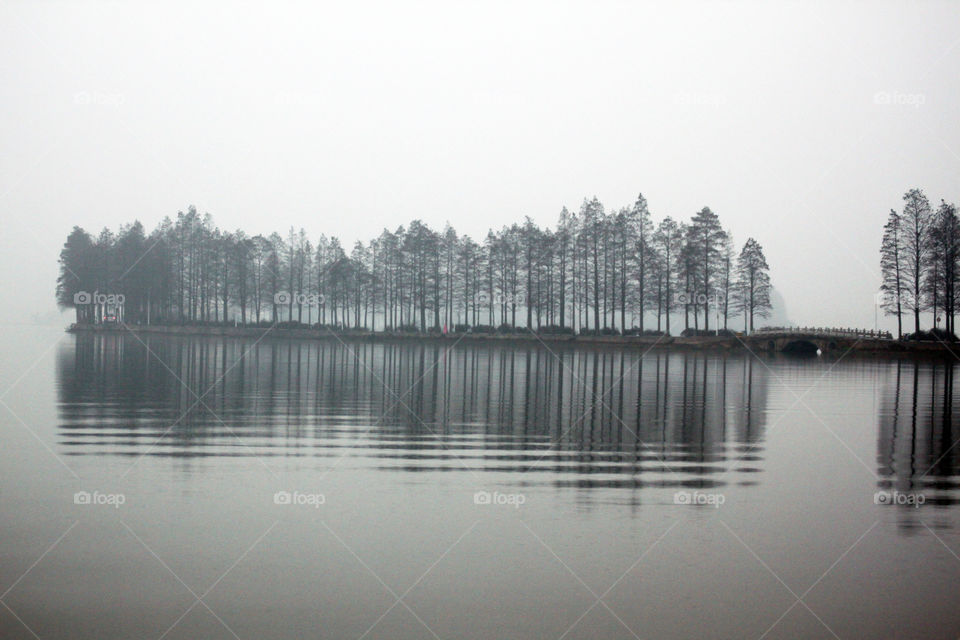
<point>206,488</point>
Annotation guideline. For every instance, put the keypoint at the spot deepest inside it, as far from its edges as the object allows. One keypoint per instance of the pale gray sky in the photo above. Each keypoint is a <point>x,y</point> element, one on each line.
<point>800,124</point>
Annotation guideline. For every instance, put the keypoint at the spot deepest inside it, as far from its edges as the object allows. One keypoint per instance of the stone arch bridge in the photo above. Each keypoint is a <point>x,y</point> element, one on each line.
<point>812,339</point>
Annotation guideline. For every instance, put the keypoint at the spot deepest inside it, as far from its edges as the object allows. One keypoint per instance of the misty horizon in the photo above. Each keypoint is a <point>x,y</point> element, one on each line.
<point>803,134</point>
<point>536,319</point>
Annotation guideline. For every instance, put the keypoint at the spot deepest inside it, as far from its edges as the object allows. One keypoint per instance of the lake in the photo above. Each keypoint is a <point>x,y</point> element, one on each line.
<point>158,487</point>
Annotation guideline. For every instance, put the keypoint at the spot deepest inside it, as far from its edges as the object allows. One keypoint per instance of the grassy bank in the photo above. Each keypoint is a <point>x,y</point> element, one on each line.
<point>756,343</point>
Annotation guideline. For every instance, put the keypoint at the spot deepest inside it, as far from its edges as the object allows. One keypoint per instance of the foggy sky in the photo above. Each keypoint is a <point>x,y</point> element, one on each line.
<point>799,124</point>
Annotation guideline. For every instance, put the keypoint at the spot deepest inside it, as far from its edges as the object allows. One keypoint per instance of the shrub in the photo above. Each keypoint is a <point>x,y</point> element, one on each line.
<point>701,333</point>
<point>555,330</point>
<point>933,335</point>
<point>944,335</point>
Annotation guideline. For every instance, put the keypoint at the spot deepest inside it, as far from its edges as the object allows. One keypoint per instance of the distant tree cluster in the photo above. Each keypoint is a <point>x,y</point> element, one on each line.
<point>597,271</point>
<point>920,262</point>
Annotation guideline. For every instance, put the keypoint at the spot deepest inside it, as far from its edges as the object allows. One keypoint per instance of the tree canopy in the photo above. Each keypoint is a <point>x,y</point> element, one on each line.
<point>595,271</point>
<point>920,261</point>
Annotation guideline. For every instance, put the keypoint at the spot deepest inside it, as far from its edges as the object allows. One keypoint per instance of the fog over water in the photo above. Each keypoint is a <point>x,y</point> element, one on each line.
<point>365,386</point>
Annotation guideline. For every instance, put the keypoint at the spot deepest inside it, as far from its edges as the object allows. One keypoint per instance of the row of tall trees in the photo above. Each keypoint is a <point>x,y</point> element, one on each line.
<point>595,270</point>
<point>920,262</point>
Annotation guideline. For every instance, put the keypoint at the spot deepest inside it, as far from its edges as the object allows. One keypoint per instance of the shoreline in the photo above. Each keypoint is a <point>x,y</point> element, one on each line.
<point>758,343</point>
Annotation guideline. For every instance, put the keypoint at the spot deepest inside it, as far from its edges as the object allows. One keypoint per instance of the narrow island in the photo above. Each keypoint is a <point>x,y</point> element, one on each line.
<point>612,278</point>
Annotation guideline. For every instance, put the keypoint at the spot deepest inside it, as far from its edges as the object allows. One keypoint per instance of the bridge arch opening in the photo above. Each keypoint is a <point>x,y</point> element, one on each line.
<point>800,347</point>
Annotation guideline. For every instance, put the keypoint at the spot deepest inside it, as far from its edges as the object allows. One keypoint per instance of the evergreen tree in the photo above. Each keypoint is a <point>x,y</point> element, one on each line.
<point>753,284</point>
<point>891,267</point>
<point>915,250</point>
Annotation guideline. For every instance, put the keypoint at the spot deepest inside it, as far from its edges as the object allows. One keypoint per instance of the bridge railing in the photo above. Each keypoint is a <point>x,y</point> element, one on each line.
<point>826,332</point>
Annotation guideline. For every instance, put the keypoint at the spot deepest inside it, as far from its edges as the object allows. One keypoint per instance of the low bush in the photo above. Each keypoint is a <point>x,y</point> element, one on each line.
<point>933,335</point>
<point>698,333</point>
<point>555,330</point>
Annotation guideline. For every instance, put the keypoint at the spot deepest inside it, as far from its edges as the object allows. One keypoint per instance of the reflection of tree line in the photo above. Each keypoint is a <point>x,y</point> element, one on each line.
<point>691,405</point>
<point>917,434</point>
